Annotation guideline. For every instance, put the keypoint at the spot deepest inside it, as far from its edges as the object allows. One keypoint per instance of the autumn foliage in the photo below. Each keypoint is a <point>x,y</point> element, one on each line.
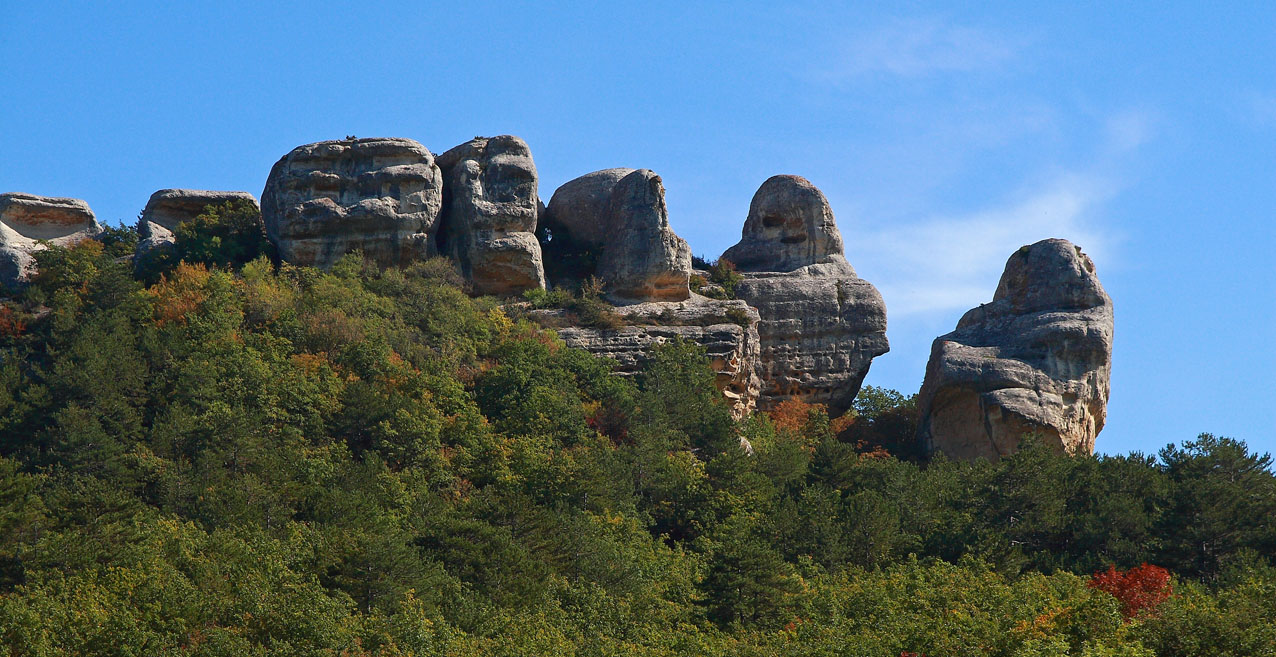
<point>1138,589</point>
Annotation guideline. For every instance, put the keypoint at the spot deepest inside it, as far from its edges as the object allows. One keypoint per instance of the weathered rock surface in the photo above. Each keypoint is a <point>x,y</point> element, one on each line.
<point>790,225</point>
<point>26,219</point>
<point>490,208</point>
<point>726,329</point>
<point>620,216</point>
<point>821,325</point>
<point>580,206</point>
<point>643,259</point>
<point>326,199</point>
<point>169,207</point>
<point>1035,360</point>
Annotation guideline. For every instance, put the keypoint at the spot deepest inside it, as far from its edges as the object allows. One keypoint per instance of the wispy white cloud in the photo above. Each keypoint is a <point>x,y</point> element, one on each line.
<point>945,263</point>
<point>921,46</point>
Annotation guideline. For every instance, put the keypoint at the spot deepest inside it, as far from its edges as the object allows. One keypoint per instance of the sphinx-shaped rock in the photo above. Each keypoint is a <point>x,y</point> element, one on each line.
<point>821,325</point>
<point>168,208</point>
<point>620,215</point>
<point>1036,360</point>
<point>26,220</point>
<point>490,207</point>
<point>728,331</point>
<point>381,196</point>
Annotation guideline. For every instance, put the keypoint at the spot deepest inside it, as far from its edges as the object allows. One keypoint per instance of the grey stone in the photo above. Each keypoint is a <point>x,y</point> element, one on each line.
<point>821,324</point>
<point>580,206</point>
<point>490,210</point>
<point>726,329</point>
<point>643,259</point>
<point>790,225</point>
<point>381,196</point>
<point>27,220</point>
<point>1037,360</point>
<point>168,208</point>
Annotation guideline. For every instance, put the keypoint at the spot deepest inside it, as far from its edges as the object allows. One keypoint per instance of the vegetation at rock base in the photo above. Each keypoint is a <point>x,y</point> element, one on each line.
<point>243,459</point>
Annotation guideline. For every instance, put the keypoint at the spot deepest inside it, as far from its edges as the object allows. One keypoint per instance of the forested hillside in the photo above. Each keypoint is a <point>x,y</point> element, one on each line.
<point>229,457</point>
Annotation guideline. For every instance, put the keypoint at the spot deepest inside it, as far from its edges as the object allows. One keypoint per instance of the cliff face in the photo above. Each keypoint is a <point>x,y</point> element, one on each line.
<point>1037,360</point>
<point>728,331</point>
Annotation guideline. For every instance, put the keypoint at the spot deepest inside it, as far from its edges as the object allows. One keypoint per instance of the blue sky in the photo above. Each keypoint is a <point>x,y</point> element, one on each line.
<point>945,138</point>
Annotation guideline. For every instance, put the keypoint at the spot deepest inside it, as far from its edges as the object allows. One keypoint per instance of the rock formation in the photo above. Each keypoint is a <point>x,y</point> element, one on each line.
<point>579,207</point>
<point>1034,361</point>
<point>326,199</point>
<point>169,207</point>
<point>726,329</point>
<point>490,207</point>
<point>821,325</point>
<point>643,259</point>
<point>620,215</point>
<point>26,219</point>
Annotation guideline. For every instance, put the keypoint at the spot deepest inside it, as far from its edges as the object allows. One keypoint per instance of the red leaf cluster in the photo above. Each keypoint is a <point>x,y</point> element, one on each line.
<point>1142,588</point>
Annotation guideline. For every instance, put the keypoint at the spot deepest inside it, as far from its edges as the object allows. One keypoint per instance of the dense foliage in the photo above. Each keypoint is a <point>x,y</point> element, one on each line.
<point>263,460</point>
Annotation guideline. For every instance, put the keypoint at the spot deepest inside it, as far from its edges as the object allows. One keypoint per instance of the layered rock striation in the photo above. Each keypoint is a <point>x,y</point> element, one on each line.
<point>727,330</point>
<point>490,209</point>
<point>1037,360</point>
<point>821,325</point>
<point>27,220</point>
<point>381,196</point>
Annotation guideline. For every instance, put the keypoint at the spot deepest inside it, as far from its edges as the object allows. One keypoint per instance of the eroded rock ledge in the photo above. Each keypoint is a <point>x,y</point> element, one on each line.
<point>26,220</point>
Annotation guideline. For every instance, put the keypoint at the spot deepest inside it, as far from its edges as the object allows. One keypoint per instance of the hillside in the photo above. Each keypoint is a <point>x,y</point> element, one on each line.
<point>223,456</point>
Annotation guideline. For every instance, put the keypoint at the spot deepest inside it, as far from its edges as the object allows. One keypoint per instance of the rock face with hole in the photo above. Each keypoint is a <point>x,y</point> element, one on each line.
<point>1037,360</point>
<point>326,199</point>
<point>490,208</point>
<point>168,208</point>
<point>821,324</point>
<point>620,216</point>
<point>27,219</point>
<point>727,330</point>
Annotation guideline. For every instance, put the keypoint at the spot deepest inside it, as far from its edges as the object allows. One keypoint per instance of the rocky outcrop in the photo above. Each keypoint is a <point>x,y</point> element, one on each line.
<point>1036,360</point>
<point>381,196</point>
<point>26,220</point>
<point>620,216</point>
<point>821,325</point>
<point>726,329</point>
<point>790,225</point>
<point>490,207</point>
<point>579,207</point>
<point>643,259</point>
<point>168,208</point>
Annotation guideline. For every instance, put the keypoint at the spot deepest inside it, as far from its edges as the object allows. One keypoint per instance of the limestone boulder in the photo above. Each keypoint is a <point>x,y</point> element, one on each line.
<point>643,259</point>
<point>728,331</point>
<point>1036,360</point>
<point>381,196</point>
<point>167,208</point>
<point>790,225</point>
<point>580,207</point>
<point>27,220</point>
<point>614,224</point>
<point>490,210</point>
<point>821,324</point>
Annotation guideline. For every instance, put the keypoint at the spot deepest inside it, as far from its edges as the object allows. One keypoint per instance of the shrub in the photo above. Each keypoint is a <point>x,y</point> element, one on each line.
<point>1139,589</point>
